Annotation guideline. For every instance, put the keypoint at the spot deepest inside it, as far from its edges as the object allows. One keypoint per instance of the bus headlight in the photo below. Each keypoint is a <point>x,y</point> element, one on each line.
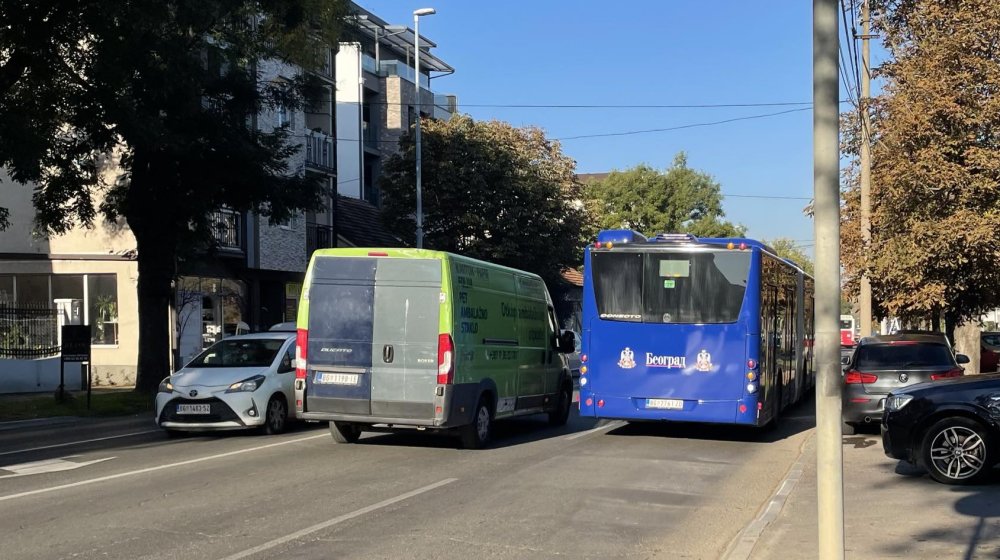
<point>751,388</point>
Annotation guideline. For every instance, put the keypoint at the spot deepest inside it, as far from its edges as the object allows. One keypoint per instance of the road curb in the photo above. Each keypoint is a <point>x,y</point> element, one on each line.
<point>38,422</point>
<point>742,547</point>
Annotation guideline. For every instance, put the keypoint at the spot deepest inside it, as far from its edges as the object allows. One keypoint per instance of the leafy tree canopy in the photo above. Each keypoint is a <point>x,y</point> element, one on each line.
<point>935,162</point>
<point>677,200</point>
<point>787,249</point>
<point>145,111</point>
<point>490,191</point>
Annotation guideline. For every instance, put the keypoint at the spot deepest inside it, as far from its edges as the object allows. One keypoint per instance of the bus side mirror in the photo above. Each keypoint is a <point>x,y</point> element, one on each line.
<point>567,342</point>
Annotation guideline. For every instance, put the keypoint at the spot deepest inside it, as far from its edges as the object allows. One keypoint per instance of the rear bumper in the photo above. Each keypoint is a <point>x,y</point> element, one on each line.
<point>456,404</point>
<point>633,408</point>
<point>861,412</point>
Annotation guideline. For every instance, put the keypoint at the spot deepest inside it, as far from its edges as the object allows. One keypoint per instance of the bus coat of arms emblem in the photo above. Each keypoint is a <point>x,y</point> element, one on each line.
<point>704,361</point>
<point>627,359</point>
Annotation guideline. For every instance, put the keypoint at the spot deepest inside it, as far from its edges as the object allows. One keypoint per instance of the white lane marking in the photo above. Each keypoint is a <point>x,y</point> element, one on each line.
<point>606,427</point>
<point>156,468</point>
<point>81,442</point>
<point>336,520</point>
<point>47,466</point>
<point>742,546</point>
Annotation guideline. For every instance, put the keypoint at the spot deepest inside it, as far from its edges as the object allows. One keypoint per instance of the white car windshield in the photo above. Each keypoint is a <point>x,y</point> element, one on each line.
<point>239,353</point>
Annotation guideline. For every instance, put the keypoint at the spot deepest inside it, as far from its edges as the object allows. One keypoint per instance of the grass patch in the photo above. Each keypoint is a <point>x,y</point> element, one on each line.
<point>102,403</point>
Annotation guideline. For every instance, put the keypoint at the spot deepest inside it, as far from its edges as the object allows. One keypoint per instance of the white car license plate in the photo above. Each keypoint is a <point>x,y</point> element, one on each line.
<point>194,409</point>
<point>670,404</point>
<point>338,378</point>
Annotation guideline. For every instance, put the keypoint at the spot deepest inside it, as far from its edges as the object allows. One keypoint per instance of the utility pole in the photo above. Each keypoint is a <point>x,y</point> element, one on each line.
<point>826,182</point>
<point>865,295</point>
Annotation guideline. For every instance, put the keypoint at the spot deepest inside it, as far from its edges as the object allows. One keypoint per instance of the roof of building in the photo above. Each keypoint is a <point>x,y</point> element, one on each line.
<point>586,178</point>
<point>573,277</point>
<point>399,38</point>
<point>360,222</point>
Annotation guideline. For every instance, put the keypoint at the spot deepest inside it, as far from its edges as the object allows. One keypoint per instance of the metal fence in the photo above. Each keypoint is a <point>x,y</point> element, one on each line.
<point>28,331</point>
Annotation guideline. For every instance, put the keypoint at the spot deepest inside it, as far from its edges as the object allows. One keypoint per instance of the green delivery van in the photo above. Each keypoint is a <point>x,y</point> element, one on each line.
<point>392,339</point>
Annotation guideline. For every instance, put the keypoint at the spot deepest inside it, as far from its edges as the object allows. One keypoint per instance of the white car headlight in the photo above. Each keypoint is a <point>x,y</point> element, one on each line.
<point>247,385</point>
<point>166,386</point>
<point>897,402</point>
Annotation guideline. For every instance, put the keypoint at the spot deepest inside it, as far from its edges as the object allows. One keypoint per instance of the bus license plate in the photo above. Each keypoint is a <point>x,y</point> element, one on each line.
<point>670,404</point>
<point>194,409</point>
<point>338,378</point>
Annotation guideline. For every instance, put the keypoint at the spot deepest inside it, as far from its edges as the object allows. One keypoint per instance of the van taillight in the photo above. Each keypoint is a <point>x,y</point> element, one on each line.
<point>954,372</point>
<point>446,360</point>
<point>301,345</point>
<point>853,377</point>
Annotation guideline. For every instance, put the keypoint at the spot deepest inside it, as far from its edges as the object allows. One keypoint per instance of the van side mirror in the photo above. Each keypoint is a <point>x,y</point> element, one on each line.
<point>962,359</point>
<point>567,342</point>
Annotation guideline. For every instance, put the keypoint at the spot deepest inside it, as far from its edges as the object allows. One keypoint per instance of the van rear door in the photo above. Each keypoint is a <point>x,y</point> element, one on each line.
<point>407,305</point>
<point>341,318</point>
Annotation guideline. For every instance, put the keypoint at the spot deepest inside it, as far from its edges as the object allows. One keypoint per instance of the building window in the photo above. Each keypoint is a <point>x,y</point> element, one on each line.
<point>285,117</point>
<point>102,308</point>
<point>292,292</point>
<point>97,293</point>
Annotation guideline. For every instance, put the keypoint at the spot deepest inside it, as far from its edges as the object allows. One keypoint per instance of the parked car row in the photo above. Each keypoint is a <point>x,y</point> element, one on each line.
<point>929,412</point>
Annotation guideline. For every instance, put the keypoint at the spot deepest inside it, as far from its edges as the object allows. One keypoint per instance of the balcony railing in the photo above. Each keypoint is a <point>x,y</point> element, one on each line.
<point>227,229</point>
<point>403,70</point>
<point>318,236</point>
<point>319,150</point>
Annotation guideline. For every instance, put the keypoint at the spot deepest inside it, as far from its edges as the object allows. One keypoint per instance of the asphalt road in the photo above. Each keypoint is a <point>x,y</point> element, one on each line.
<point>122,489</point>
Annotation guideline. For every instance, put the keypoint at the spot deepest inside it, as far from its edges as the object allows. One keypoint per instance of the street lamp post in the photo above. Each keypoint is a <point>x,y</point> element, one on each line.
<point>416,80</point>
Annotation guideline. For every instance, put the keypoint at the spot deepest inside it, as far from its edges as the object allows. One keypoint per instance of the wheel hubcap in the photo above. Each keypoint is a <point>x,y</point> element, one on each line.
<point>958,452</point>
<point>275,414</point>
<point>483,424</point>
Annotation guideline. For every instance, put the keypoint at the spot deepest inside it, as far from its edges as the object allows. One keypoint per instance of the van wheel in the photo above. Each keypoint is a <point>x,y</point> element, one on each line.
<point>276,416</point>
<point>345,432</point>
<point>478,434</point>
<point>958,451</point>
<point>559,415</point>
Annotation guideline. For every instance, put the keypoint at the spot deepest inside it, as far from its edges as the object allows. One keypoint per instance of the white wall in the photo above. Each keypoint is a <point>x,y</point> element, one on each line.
<point>37,376</point>
<point>350,151</point>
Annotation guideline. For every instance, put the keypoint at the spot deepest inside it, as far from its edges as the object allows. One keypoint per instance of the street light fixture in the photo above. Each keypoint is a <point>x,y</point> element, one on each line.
<point>416,80</point>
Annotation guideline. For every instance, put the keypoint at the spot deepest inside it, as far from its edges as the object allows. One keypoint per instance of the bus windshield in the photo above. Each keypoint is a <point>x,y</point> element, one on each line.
<point>702,286</point>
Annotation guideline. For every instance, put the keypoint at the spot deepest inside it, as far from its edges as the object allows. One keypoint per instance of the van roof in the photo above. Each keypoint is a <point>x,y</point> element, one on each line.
<point>397,252</point>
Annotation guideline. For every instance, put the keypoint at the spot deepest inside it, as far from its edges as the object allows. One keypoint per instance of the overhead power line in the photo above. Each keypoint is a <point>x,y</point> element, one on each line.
<point>684,126</point>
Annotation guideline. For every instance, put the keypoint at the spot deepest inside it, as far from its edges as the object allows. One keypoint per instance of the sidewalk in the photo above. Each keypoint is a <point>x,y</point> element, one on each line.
<point>892,510</point>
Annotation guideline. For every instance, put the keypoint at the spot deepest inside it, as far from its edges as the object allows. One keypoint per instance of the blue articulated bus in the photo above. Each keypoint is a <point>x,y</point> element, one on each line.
<point>687,329</point>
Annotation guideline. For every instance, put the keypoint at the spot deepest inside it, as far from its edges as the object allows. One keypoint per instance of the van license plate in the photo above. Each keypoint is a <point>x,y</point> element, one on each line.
<point>194,409</point>
<point>670,404</point>
<point>338,378</point>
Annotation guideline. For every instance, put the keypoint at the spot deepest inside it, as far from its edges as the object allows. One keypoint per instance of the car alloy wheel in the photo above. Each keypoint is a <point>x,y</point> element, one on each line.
<point>276,417</point>
<point>957,451</point>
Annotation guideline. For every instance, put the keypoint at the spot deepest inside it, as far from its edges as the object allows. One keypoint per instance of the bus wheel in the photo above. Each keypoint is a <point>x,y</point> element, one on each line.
<point>560,414</point>
<point>477,435</point>
<point>345,432</point>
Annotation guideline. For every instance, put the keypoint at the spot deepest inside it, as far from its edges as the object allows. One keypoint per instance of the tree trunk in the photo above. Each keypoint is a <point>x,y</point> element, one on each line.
<point>936,320</point>
<point>950,324</point>
<point>156,273</point>
<point>967,341</point>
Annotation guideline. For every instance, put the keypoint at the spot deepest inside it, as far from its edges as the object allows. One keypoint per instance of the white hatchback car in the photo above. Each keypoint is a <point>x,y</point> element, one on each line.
<point>240,382</point>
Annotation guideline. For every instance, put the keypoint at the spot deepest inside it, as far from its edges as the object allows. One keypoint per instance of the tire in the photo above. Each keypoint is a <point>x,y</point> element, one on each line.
<point>275,416</point>
<point>478,434</point>
<point>848,428</point>
<point>958,450</point>
<point>345,432</point>
<point>560,414</point>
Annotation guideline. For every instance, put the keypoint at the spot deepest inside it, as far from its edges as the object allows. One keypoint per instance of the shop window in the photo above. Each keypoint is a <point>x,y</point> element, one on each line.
<point>33,289</point>
<point>6,289</point>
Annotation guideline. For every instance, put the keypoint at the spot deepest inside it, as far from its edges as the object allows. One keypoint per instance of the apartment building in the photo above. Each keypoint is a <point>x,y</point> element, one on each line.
<point>376,98</point>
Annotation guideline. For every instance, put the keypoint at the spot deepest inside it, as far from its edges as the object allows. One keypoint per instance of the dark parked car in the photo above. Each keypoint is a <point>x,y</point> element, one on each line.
<point>951,428</point>
<point>881,364</point>
<point>989,352</point>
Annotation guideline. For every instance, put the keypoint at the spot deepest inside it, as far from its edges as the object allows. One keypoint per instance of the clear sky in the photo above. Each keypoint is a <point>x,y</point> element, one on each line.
<point>645,52</point>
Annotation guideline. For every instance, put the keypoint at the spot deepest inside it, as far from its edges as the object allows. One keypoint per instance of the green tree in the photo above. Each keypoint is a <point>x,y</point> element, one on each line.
<point>935,163</point>
<point>145,111</point>
<point>787,249</point>
<point>677,200</point>
<point>490,191</point>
